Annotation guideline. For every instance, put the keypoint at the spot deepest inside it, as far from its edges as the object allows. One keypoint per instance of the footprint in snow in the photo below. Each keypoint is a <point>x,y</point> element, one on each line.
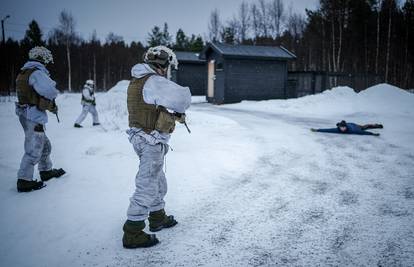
<point>93,150</point>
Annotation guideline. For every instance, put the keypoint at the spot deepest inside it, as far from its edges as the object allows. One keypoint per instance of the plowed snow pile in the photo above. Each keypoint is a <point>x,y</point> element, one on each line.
<point>381,98</point>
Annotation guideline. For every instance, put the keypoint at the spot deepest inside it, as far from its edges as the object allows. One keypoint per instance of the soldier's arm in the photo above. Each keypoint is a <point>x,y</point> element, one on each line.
<point>330,130</point>
<point>43,85</point>
<point>163,92</point>
<point>87,94</point>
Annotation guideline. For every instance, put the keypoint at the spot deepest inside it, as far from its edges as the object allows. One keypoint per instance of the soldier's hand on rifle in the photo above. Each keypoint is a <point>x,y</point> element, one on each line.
<point>54,108</point>
<point>180,117</point>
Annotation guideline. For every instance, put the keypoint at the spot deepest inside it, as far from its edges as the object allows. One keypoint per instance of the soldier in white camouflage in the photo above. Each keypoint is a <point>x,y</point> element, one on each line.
<point>36,93</point>
<point>88,105</point>
<point>154,105</point>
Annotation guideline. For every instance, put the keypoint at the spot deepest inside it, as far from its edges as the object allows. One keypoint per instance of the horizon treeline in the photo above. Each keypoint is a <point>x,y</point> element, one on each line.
<point>364,37</point>
<point>77,59</point>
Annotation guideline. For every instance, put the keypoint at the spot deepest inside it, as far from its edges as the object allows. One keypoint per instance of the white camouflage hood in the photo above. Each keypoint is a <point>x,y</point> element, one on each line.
<point>35,65</point>
<point>140,70</point>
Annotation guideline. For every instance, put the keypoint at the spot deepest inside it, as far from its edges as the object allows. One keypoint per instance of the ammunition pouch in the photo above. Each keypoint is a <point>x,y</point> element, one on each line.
<point>46,104</point>
<point>180,117</point>
<point>93,102</point>
<point>165,122</point>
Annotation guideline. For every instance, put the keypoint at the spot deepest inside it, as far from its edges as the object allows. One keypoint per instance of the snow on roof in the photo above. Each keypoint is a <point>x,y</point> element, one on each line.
<point>268,52</point>
<point>188,57</point>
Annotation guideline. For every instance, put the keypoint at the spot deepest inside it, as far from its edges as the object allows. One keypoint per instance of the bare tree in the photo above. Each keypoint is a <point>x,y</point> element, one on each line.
<point>388,43</point>
<point>296,24</point>
<point>67,30</point>
<point>231,32</point>
<point>276,11</point>
<point>94,43</point>
<point>214,26</point>
<point>378,8</point>
<point>255,20</point>
<point>243,21</point>
<point>264,18</point>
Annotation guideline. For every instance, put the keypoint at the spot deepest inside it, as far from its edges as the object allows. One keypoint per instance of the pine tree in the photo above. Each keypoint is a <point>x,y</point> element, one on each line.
<point>181,41</point>
<point>166,37</point>
<point>228,35</point>
<point>196,44</point>
<point>33,36</point>
<point>155,37</point>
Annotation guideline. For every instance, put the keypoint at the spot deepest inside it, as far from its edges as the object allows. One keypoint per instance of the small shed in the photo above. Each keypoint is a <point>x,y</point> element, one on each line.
<point>191,72</point>
<point>245,72</point>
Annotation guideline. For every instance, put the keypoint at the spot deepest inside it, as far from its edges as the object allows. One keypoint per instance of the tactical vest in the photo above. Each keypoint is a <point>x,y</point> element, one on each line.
<point>25,92</point>
<point>87,100</point>
<point>146,116</point>
<point>26,95</point>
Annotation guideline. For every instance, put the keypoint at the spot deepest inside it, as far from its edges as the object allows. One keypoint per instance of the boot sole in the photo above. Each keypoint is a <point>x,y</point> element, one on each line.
<point>159,228</point>
<point>48,178</point>
<point>29,190</point>
<point>152,242</point>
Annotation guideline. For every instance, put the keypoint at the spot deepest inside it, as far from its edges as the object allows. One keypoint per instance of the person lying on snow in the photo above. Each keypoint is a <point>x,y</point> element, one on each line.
<point>344,127</point>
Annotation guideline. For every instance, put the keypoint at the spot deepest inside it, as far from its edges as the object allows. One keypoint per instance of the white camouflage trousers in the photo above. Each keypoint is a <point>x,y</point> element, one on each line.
<point>150,181</point>
<point>88,108</point>
<point>37,149</point>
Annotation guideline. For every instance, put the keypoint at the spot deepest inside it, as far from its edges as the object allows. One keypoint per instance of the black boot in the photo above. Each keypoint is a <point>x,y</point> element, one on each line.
<point>76,125</point>
<point>96,124</point>
<point>27,186</point>
<point>47,175</point>
<point>159,220</point>
<point>134,237</point>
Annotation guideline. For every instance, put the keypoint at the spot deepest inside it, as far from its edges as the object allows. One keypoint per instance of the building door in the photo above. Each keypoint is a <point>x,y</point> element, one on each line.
<point>211,78</point>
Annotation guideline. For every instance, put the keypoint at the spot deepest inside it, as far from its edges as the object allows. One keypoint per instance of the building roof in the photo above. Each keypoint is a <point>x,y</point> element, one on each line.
<point>188,57</point>
<point>249,51</point>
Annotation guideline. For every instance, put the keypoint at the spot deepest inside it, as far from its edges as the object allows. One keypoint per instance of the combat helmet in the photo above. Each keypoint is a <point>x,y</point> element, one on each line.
<point>41,54</point>
<point>161,56</point>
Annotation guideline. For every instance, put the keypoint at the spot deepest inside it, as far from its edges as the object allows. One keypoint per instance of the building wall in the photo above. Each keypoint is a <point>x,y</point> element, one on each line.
<point>219,81</point>
<point>193,76</point>
<point>247,79</point>
<point>313,82</point>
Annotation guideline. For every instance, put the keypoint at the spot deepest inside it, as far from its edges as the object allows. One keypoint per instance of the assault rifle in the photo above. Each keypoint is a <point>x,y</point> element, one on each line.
<point>56,111</point>
<point>181,119</point>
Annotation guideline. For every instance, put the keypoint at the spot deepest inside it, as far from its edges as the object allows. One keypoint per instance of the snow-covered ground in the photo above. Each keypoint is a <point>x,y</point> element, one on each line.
<point>250,186</point>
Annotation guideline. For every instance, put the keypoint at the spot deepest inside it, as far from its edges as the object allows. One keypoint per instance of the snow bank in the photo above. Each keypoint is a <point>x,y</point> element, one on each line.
<point>339,101</point>
<point>120,87</point>
<point>386,98</point>
<point>112,107</point>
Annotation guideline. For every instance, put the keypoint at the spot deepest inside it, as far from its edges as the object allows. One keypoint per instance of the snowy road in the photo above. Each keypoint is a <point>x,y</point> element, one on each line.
<point>249,187</point>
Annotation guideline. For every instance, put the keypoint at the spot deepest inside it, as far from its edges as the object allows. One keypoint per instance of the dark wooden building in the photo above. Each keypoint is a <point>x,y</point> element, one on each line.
<point>244,72</point>
<point>192,72</point>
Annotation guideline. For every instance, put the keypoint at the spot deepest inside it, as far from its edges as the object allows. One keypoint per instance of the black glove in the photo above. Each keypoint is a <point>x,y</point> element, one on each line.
<point>54,109</point>
<point>180,117</point>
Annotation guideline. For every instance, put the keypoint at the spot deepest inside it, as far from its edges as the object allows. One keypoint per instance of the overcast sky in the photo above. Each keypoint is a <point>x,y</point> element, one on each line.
<point>132,19</point>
